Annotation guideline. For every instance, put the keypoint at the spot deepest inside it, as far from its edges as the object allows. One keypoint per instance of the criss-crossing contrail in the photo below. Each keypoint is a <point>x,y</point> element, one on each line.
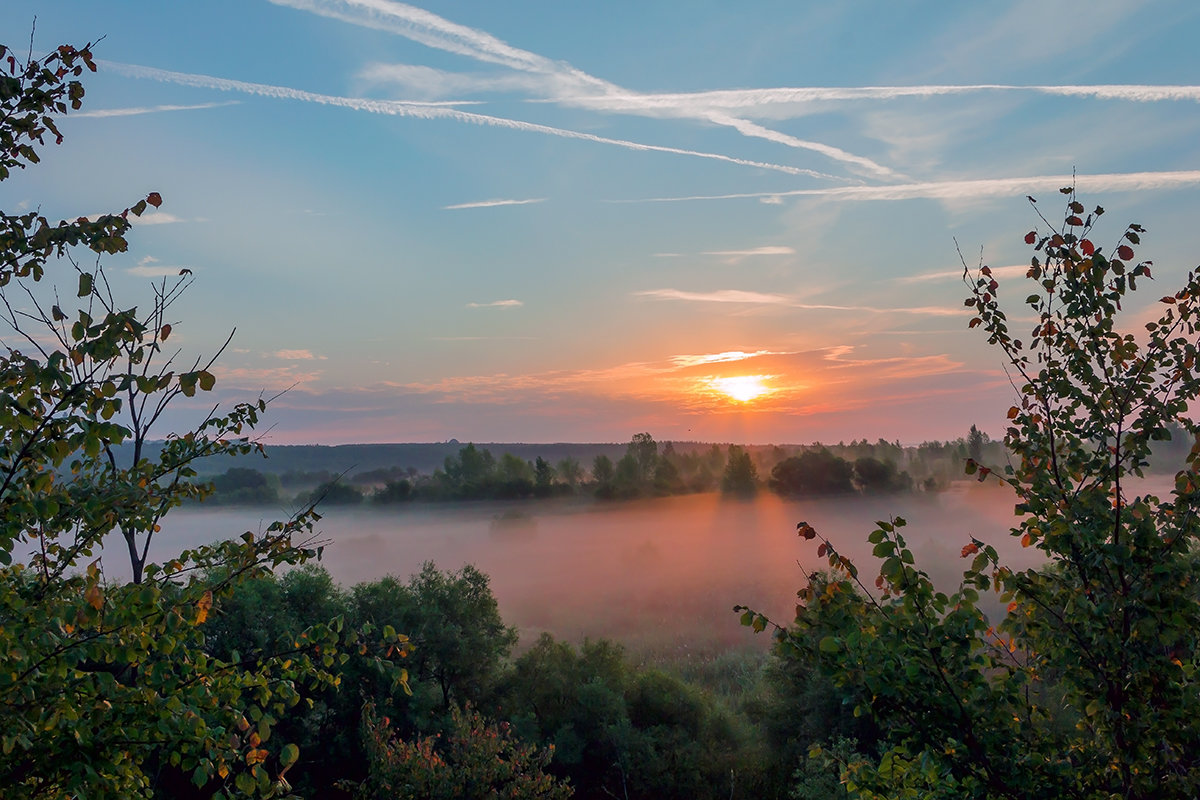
<point>425,111</point>
<point>563,79</point>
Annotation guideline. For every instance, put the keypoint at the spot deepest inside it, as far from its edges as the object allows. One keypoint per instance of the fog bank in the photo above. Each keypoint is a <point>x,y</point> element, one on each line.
<point>656,574</point>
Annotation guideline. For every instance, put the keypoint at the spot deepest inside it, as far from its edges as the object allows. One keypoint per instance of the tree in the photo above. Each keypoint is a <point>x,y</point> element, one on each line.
<point>475,760</point>
<point>571,471</point>
<point>740,476</point>
<point>602,469</point>
<point>106,690</point>
<point>459,636</point>
<point>975,441</point>
<point>332,493</point>
<point>471,474</point>
<point>644,450</point>
<point>666,477</point>
<point>400,491</point>
<point>240,485</point>
<point>875,476</point>
<point>603,474</point>
<point>1085,686</point>
<point>628,478</point>
<point>813,472</point>
<point>543,477</point>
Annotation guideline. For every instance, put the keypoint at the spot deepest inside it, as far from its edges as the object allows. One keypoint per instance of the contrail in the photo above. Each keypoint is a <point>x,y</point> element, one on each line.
<point>437,32</point>
<point>493,203</point>
<point>967,189</point>
<point>758,98</point>
<point>137,110</point>
<point>425,111</point>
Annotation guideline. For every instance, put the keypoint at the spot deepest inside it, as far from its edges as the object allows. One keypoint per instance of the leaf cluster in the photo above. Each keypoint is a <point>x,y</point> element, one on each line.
<point>1084,687</point>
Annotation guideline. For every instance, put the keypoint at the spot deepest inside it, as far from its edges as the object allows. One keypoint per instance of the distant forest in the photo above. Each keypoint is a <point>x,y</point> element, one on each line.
<point>389,474</point>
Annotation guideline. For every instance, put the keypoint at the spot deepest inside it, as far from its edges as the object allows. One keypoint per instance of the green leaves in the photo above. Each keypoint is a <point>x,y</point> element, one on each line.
<point>188,381</point>
<point>288,756</point>
<point>88,664</point>
<point>1077,679</point>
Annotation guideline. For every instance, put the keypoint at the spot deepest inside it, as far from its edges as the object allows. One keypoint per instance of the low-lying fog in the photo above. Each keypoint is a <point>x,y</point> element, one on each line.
<point>655,574</point>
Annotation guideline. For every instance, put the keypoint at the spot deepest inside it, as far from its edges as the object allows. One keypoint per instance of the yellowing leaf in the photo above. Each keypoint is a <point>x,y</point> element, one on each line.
<point>94,596</point>
<point>202,607</point>
<point>288,756</point>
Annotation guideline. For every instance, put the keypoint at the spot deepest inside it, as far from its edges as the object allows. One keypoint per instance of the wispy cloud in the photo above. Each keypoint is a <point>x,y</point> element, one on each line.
<point>558,81</point>
<point>768,250</point>
<point>758,298</point>
<point>297,355</point>
<point>149,267</point>
<point>494,203</point>
<point>136,111</point>
<point>151,216</point>
<point>1012,271</point>
<point>971,189</point>
<point>155,218</point>
<point>720,358</point>
<point>685,383</point>
<point>497,304</point>
<point>423,111</point>
<point>480,338</point>
<point>270,378</point>
<point>720,296</point>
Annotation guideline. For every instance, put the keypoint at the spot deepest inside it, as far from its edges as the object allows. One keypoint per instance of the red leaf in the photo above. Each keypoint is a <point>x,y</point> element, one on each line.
<point>1031,237</point>
<point>970,549</point>
<point>821,551</point>
<point>1125,252</point>
<point>1074,221</point>
<point>1087,247</point>
<point>154,199</point>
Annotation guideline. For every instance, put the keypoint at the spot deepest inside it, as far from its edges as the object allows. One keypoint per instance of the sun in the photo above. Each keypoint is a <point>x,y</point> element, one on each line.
<point>742,388</point>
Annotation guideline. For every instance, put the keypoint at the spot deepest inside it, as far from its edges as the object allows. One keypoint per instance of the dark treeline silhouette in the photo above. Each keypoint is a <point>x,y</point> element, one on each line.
<point>641,468</point>
<point>740,725</point>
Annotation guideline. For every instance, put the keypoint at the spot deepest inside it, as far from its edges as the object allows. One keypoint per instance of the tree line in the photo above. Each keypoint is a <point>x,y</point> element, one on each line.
<point>647,469</point>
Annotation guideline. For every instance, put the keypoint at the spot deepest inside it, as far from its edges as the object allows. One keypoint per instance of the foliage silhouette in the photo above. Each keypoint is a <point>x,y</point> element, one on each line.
<point>106,689</point>
<point>1086,687</point>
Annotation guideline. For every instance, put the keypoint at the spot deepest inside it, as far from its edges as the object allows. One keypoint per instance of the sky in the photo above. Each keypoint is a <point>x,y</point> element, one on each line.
<point>536,221</point>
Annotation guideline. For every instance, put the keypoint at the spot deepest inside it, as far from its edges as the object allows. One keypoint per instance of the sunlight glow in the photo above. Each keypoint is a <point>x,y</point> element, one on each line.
<point>742,388</point>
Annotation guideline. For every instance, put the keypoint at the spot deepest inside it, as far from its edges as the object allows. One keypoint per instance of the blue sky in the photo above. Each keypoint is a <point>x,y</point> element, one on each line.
<point>573,221</point>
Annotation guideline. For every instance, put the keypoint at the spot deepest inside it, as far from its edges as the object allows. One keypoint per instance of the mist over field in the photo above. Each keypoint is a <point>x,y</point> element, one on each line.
<point>658,575</point>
